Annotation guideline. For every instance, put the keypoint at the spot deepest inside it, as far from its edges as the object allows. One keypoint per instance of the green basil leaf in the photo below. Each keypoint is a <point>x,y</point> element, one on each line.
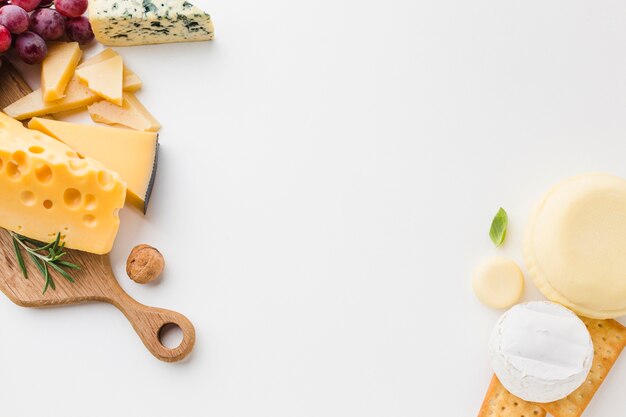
<point>497,233</point>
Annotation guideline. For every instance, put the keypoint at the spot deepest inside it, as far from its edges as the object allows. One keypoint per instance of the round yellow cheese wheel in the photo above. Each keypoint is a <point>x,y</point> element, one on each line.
<point>498,282</point>
<point>575,245</point>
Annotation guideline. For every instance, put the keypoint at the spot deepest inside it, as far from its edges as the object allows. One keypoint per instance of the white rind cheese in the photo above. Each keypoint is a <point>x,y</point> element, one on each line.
<point>540,351</point>
<point>142,22</point>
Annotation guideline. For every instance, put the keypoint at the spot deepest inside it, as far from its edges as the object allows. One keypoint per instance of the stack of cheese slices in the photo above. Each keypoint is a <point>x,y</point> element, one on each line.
<point>102,83</point>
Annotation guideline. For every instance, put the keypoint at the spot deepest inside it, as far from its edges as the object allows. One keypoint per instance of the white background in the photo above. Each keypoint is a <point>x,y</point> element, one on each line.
<point>329,170</point>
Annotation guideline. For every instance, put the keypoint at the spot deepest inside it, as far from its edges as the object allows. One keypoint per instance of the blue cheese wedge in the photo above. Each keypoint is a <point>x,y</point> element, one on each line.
<point>144,22</point>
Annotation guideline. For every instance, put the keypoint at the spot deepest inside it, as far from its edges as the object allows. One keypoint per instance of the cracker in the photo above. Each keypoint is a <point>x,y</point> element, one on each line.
<point>609,338</point>
<point>501,403</point>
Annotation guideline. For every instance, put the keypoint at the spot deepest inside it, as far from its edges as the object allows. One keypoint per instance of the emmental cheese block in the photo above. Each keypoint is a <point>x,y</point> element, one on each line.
<point>131,114</point>
<point>131,81</point>
<point>105,78</point>
<point>32,105</point>
<point>48,189</point>
<point>143,22</point>
<point>132,154</point>
<point>57,69</point>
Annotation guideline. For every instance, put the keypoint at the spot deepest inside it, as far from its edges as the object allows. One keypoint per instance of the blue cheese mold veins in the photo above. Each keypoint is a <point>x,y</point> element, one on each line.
<point>141,22</point>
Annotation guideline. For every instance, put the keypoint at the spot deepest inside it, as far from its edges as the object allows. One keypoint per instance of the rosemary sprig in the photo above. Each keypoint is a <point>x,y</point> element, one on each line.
<point>43,255</point>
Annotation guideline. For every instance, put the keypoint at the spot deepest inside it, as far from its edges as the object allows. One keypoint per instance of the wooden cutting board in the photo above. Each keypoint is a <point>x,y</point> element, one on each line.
<point>94,282</point>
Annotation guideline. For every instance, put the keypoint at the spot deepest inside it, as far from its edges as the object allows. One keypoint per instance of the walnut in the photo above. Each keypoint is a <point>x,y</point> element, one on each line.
<point>144,264</point>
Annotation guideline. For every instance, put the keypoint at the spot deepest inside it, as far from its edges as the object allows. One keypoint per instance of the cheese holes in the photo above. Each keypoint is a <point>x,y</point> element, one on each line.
<point>47,204</point>
<point>35,149</point>
<point>73,154</point>
<point>77,165</point>
<point>27,198</point>
<point>43,174</point>
<point>17,165</point>
<point>105,179</point>
<point>90,220</point>
<point>13,170</point>
<point>20,158</point>
<point>72,198</point>
<point>90,202</point>
<point>1,164</point>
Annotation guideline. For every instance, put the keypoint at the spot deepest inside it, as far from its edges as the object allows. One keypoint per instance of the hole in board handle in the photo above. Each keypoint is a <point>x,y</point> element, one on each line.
<point>170,335</point>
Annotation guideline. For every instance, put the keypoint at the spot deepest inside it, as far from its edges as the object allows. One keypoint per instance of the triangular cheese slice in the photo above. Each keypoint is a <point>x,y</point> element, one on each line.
<point>58,67</point>
<point>131,154</point>
<point>131,82</point>
<point>131,114</point>
<point>76,96</point>
<point>105,78</point>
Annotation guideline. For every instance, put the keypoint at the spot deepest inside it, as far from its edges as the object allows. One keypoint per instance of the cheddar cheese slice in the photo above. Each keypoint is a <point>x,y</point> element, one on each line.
<point>131,114</point>
<point>48,189</point>
<point>131,81</point>
<point>132,154</point>
<point>31,105</point>
<point>58,67</point>
<point>104,78</point>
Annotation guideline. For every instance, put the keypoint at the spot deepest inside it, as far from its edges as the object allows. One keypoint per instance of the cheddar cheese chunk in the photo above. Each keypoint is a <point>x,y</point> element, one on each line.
<point>104,78</point>
<point>48,189</point>
<point>132,154</point>
<point>131,114</point>
<point>131,81</point>
<point>31,105</point>
<point>58,67</point>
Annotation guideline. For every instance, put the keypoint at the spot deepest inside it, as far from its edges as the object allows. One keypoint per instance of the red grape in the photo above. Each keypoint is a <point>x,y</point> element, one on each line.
<point>31,48</point>
<point>71,8</point>
<point>28,5</point>
<point>78,29</point>
<point>5,39</point>
<point>14,18</point>
<point>47,23</point>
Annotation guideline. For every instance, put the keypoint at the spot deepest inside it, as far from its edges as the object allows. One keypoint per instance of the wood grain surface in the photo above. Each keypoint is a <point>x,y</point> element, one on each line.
<point>94,282</point>
<point>12,86</point>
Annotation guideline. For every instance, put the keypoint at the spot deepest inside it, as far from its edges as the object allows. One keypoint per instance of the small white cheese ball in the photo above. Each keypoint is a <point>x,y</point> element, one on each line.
<point>540,351</point>
<point>498,282</point>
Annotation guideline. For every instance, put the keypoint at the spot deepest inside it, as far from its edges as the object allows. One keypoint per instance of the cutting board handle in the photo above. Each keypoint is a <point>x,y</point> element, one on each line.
<point>149,322</point>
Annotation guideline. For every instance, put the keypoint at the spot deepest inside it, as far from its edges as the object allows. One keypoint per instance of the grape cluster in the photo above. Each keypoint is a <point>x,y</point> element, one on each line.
<point>28,24</point>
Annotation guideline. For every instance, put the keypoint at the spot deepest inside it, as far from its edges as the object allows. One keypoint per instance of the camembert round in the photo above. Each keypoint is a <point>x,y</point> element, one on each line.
<point>575,247</point>
<point>540,351</point>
